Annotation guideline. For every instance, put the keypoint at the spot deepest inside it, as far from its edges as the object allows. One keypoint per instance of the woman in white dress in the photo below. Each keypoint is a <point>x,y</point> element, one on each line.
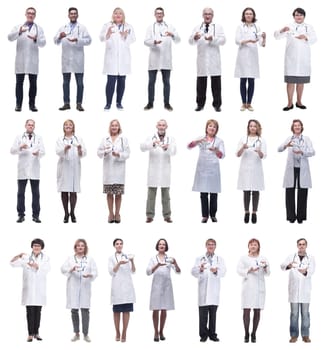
<point>297,66</point>
<point>81,271</point>
<point>121,267</point>
<point>251,149</point>
<point>207,176</point>
<point>114,150</point>
<point>162,296</point>
<point>253,267</point>
<point>248,35</point>
<point>70,150</point>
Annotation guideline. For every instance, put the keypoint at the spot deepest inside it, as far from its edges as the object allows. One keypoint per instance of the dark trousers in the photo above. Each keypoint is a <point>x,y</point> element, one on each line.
<point>34,184</point>
<point>209,209</point>
<point>247,199</point>
<point>84,320</point>
<point>301,213</point>
<point>247,86</point>
<point>165,73</point>
<point>20,89</point>
<point>66,87</point>
<point>110,88</point>
<point>201,89</point>
<point>207,321</point>
<point>33,314</point>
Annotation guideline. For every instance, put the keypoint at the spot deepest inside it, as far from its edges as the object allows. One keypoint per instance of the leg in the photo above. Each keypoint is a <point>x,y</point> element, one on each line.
<point>120,88</point>
<point>21,197</point>
<point>151,202</point>
<point>299,90</point>
<point>66,88</point>
<point>80,86</point>
<point>256,197</point>
<point>203,321</point>
<point>117,317</point>
<point>85,321</point>
<point>243,90</point>
<point>75,320</point>
<point>30,320</point>
<point>301,200</point>
<point>32,89</point>
<point>155,320</point>
<point>201,91</point>
<point>118,200</point>
<point>110,203</point>
<point>251,88</point>
<point>37,316</point>
<point>163,316</point>
<point>166,81</point>
<point>19,89</point>
<point>290,204</point>
<point>110,87</point>
<point>165,202</point>
<point>216,91</point>
<point>126,319</point>
<point>213,204</point>
<point>246,319</point>
<point>290,91</point>
<point>256,320</point>
<point>204,204</point>
<point>35,197</point>
<point>151,86</point>
<point>294,318</point>
<point>305,319</point>
<point>212,321</point>
<point>73,202</point>
<point>65,200</point>
<point>247,200</point>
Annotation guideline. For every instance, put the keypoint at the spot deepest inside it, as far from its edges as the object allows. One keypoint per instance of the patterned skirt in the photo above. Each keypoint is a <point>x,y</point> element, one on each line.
<point>115,189</point>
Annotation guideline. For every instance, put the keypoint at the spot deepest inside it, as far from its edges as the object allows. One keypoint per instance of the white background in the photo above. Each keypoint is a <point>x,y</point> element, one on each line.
<point>186,236</point>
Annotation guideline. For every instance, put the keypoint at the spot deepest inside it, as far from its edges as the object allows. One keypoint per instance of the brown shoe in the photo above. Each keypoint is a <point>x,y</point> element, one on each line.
<point>149,220</point>
<point>79,107</point>
<point>306,339</point>
<point>293,339</point>
<point>168,219</point>
<point>65,107</point>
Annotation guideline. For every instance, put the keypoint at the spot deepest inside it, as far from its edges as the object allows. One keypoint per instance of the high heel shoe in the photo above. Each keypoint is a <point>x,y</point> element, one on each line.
<point>117,219</point>
<point>73,218</point>
<point>66,218</point>
<point>246,218</point>
<point>111,220</point>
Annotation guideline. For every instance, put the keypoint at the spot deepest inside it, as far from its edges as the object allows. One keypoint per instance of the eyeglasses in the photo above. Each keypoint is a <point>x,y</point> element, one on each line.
<point>301,244</point>
<point>31,13</point>
<point>208,14</point>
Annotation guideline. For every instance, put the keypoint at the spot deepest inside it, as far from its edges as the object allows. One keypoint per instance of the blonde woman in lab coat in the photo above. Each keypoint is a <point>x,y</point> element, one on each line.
<point>70,150</point>
<point>121,267</point>
<point>161,296</point>
<point>81,271</point>
<point>297,67</point>
<point>252,267</point>
<point>118,36</point>
<point>35,268</point>
<point>248,35</point>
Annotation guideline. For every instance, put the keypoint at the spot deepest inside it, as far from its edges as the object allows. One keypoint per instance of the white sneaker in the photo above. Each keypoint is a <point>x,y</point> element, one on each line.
<point>87,339</point>
<point>242,108</point>
<point>250,108</point>
<point>75,337</point>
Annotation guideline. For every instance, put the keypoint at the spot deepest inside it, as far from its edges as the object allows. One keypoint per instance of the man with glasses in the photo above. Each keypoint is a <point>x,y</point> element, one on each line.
<point>73,37</point>
<point>208,37</point>
<point>30,37</point>
<point>301,266</point>
<point>159,39</point>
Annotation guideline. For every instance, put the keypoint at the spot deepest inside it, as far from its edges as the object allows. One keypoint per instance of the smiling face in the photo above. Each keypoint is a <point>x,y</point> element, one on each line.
<point>161,127</point>
<point>36,249</point>
<point>302,246</point>
<point>207,15</point>
<point>80,248</point>
<point>297,128</point>
<point>159,14</point>
<point>68,127</point>
<point>30,15</point>
<point>118,246</point>
<point>114,128</point>
<point>249,16</point>
<point>30,126</point>
<point>118,16</point>
<point>162,246</point>
<point>211,130</point>
<point>253,247</point>
<point>73,16</point>
<point>211,247</point>
<point>299,17</point>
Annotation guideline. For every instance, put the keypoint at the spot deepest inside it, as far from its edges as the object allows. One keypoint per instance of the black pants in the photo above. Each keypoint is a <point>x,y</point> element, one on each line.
<point>20,89</point>
<point>34,184</point>
<point>247,199</point>
<point>33,314</point>
<point>209,209</point>
<point>165,73</point>
<point>301,213</point>
<point>207,320</point>
<point>201,89</point>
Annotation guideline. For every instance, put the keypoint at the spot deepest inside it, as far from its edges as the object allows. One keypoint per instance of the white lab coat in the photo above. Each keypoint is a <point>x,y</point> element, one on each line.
<point>34,281</point>
<point>251,177</point>
<point>208,52</point>
<point>28,164</point>
<point>253,284</point>
<point>73,57</point>
<point>299,285</point>
<point>209,282</point>
<point>79,287</point>
<point>122,290</point>
<point>114,167</point>
<point>27,50</point>
<point>160,56</point>
<point>308,151</point>
<point>207,175</point>
<point>297,53</point>
<point>117,59</point>
<point>247,63</point>
<point>161,296</point>
<point>69,165</point>
<point>159,169</point>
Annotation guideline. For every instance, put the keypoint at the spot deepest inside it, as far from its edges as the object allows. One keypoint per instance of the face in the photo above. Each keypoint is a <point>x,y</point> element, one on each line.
<point>161,246</point>
<point>299,18</point>
<point>249,16</point>
<point>211,247</point>
<point>30,126</point>
<point>211,129</point>
<point>302,245</point>
<point>118,246</point>
<point>159,15</point>
<point>80,248</point>
<point>253,247</point>
<point>252,128</point>
<point>297,128</point>
<point>73,15</point>
<point>207,16</point>
<point>68,128</point>
<point>36,249</point>
<point>30,15</point>
<point>161,127</point>
<point>114,128</point>
<point>118,16</point>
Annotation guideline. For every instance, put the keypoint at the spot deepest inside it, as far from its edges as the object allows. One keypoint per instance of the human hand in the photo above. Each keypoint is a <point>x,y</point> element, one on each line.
<point>62,35</point>
<point>284,29</point>
<point>66,148</point>
<point>73,40</point>
<point>197,36</point>
<point>302,37</point>
<point>23,146</point>
<point>36,153</point>
<point>115,154</point>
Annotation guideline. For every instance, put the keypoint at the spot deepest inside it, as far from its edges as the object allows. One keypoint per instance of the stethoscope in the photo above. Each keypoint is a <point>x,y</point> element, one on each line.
<point>159,261</point>
<point>300,26</point>
<point>32,258</point>
<point>123,257</point>
<point>205,259</point>
<point>208,144</point>
<point>298,141</point>
<point>205,30</point>
<point>30,27</point>
<point>82,263</point>
<point>110,142</point>
<point>70,141</point>
<point>25,139</point>
<point>255,33</point>
<point>256,144</point>
<point>301,264</point>
<point>162,24</point>
<point>71,26</point>
<point>155,137</point>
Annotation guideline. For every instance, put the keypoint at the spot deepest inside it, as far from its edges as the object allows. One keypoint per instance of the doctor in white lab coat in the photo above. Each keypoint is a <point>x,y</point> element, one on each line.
<point>70,150</point>
<point>80,270</point>
<point>208,37</point>
<point>248,36</point>
<point>159,38</point>
<point>35,268</point>
<point>29,148</point>
<point>301,266</point>
<point>121,267</point>
<point>252,267</point>
<point>118,36</point>
<point>297,67</point>
<point>73,37</point>
<point>208,269</point>
<point>161,147</point>
<point>30,37</point>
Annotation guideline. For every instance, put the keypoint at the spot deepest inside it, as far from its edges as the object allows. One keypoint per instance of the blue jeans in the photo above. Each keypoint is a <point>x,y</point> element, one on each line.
<point>151,86</point>
<point>110,87</point>
<point>35,197</point>
<point>294,318</point>
<point>247,86</point>
<point>66,87</point>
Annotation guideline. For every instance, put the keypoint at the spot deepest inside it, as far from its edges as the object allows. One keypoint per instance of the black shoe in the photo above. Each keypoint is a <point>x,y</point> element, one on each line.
<point>301,106</point>
<point>254,218</point>
<point>148,106</point>
<point>36,219</point>
<point>33,108</point>
<point>217,109</point>
<point>203,339</point>
<point>168,107</point>
<point>79,107</point>
<point>300,221</point>
<point>204,220</point>
<point>65,107</point>
<point>214,338</point>
<point>162,338</point>
<point>21,219</point>
<point>287,108</point>
<point>73,218</point>
<point>155,339</point>
<point>246,218</point>
<point>66,219</point>
<point>18,108</point>
<point>292,221</point>
<point>253,338</point>
<point>246,339</point>
<point>37,337</point>
<point>198,108</point>
<point>214,219</point>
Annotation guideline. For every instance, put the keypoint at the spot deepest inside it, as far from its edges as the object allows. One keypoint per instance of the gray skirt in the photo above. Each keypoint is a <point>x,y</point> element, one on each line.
<point>115,189</point>
<point>290,79</point>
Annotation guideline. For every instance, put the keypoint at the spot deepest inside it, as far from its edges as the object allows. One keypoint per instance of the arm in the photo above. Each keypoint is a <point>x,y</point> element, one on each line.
<point>176,38</point>
<point>281,33</point>
<point>172,147</point>
<point>82,149</point>
<point>60,148</point>
<point>68,267</point>
<point>103,34</point>
<point>241,148</point>
<point>195,36</point>
<point>40,148</point>
<point>147,145</point>
<point>221,268</point>
<point>130,38</point>
<point>14,34</point>
<point>40,40</point>
<point>176,267</point>
<point>15,148</point>
<point>285,145</point>
<point>125,153</point>
<point>149,38</point>
<point>84,38</point>
<point>219,38</point>
<point>287,264</point>
<point>220,151</point>
<point>308,150</point>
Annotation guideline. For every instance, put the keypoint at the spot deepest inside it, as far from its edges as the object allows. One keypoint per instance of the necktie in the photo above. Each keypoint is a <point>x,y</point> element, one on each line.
<point>206,28</point>
<point>30,136</point>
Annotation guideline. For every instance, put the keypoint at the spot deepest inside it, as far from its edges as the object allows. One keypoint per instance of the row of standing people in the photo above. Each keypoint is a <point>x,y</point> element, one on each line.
<point>209,268</point>
<point>118,35</point>
<point>114,150</point>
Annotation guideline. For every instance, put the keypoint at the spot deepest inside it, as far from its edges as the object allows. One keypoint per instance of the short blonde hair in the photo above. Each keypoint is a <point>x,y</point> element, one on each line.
<point>119,126</point>
<point>69,121</point>
<point>212,121</point>
<point>123,14</point>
